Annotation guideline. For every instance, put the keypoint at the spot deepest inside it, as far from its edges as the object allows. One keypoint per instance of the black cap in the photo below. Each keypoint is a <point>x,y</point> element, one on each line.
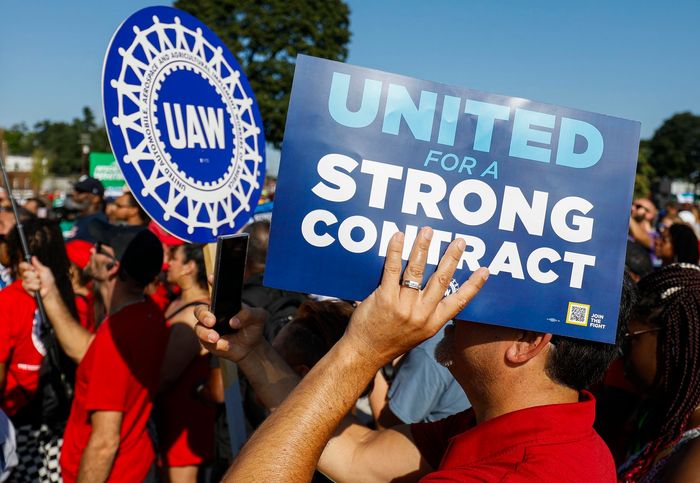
<point>88,184</point>
<point>138,250</point>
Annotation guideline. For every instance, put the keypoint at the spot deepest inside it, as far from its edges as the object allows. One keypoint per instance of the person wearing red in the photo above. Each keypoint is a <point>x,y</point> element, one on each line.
<point>24,372</point>
<point>185,422</point>
<point>119,366</point>
<point>79,252</point>
<point>515,445</point>
<point>519,383</point>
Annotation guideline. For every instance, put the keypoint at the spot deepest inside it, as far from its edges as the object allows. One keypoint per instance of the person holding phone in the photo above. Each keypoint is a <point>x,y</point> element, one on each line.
<point>531,418</point>
<point>185,423</point>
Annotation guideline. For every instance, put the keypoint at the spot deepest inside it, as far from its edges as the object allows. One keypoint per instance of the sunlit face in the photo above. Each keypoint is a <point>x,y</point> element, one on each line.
<point>640,345</point>
<point>176,264</point>
<point>102,260</point>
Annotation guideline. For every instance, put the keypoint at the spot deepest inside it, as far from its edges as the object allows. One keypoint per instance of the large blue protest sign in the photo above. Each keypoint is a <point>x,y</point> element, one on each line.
<point>540,193</point>
<point>183,124</point>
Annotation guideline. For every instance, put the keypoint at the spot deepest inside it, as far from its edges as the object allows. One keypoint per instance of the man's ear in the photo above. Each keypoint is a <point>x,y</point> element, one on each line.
<point>527,346</point>
<point>113,269</point>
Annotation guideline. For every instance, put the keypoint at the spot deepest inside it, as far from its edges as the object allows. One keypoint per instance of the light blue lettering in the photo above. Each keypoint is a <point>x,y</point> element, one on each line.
<point>491,170</point>
<point>448,121</point>
<point>523,134</point>
<point>487,114</point>
<point>338,101</point>
<point>468,162</point>
<point>452,166</point>
<point>432,157</point>
<point>400,105</point>
<point>570,128</point>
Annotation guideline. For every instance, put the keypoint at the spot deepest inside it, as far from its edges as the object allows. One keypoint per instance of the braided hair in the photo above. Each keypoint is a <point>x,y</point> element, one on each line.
<point>670,299</point>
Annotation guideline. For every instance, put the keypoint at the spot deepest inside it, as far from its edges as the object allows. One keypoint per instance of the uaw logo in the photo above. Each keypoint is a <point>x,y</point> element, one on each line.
<point>183,124</point>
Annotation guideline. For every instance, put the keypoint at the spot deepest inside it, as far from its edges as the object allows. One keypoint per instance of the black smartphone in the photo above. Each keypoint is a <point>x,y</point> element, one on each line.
<point>229,267</point>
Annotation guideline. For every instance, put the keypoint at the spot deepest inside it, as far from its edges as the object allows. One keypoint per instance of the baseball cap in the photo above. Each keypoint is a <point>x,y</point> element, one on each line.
<point>138,251</point>
<point>79,252</point>
<point>88,184</point>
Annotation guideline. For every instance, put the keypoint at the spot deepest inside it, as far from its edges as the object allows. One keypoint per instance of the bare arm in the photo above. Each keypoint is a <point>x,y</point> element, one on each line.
<point>390,322</point>
<point>640,234</point>
<point>73,337</point>
<point>685,465</point>
<point>384,417</point>
<point>182,349</point>
<point>98,456</point>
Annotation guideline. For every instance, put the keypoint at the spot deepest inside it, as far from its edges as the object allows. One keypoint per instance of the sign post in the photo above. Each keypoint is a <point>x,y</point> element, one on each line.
<point>187,135</point>
<point>540,193</point>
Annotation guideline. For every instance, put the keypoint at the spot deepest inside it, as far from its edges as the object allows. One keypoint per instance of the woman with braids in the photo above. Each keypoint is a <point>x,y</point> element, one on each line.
<point>185,422</point>
<point>35,388</point>
<point>662,355</point>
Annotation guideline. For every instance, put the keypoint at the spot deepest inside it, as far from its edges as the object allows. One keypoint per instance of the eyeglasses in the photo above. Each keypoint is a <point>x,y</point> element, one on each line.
<point>632,335</point>
<point>99,250</point>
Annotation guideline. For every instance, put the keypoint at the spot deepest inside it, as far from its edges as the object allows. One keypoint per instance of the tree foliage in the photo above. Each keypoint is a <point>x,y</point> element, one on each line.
<point>59,142</point>
<point>266,36</point>
<point>645,172</point>
<point>675,147</point>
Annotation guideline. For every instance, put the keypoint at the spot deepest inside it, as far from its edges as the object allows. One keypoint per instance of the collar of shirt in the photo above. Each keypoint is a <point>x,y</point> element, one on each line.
<point>546,424</point>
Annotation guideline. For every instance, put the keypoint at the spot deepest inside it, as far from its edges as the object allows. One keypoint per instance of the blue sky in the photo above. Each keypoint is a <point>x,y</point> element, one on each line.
<point>632,59</point>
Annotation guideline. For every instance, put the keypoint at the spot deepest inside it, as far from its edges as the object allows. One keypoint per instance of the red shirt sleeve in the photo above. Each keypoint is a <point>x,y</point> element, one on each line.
<point>432,439</point>
<point>110,375</point>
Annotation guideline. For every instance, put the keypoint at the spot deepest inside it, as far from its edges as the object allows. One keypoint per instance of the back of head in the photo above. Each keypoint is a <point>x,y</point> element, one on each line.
<point>142,260</point>
<point>312,333</point>
<point>45,241</point>
<point>578,363</point>
<point>637,259</point>
<point>685,243</point>
<point>259,232</point>
<point>195,253</point>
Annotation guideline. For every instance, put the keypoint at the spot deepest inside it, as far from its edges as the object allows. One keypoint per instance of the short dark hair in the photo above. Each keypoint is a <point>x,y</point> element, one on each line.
<point>142,213</point>
<point>315,329</point>
<point>685,243</point>
<point>259,232</point>
<point>578,363</point>
<point>195,253</point>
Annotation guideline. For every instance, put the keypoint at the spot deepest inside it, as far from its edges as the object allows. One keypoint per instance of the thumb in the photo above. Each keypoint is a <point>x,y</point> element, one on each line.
<point>37,264</point>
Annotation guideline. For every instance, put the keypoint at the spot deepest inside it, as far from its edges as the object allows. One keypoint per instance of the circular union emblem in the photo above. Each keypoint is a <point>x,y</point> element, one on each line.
<point>184,124</point>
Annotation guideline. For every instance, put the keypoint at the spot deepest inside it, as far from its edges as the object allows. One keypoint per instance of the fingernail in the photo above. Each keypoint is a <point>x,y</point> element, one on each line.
<point>212,337</point>
<point>399,236</point>
<point>427,233</point>
<point>461,244</point>
<point>484,273</point>
<point>235,322</point>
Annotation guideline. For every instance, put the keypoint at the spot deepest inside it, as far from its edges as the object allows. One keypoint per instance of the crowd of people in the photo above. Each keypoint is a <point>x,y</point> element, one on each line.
<point>117,374</point>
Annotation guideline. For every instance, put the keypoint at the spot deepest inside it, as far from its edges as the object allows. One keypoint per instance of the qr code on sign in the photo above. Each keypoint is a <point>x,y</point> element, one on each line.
<point>577,314</point>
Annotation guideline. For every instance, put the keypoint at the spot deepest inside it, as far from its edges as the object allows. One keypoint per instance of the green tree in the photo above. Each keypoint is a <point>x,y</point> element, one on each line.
<point>266,36</point>
<point>645,172</point>
<point>675,146</point>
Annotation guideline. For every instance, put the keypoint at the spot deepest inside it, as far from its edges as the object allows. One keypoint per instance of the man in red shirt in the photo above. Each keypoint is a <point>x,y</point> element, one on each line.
<point>119,366</point>
<point>530,418</point>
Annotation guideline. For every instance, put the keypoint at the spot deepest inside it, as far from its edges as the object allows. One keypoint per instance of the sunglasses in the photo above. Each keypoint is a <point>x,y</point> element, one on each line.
<point>631,335</point>
<point>99,249</point>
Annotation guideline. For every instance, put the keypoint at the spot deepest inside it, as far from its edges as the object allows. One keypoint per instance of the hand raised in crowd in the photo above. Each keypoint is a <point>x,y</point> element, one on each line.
<point>396,317</point>
<point>249,324</point>
<point>36,276</point>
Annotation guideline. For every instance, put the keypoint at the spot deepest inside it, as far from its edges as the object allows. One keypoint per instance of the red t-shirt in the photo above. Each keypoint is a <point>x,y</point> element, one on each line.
<point>551,443</point>
<point>119,372</point>
<point>21,349</point>
<point>85,306</point>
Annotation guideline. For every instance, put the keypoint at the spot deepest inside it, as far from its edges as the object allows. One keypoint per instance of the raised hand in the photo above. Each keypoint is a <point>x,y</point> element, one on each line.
<point>397,316</point>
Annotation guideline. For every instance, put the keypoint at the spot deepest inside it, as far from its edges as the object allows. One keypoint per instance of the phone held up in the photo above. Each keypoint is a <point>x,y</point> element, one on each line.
<point>231,251</point>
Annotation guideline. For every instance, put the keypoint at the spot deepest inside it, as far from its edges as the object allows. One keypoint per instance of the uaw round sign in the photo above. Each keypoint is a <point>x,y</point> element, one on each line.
<point>184,124</point>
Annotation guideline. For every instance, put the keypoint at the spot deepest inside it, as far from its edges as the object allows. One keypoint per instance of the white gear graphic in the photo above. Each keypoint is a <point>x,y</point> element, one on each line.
<point>210,205</point>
